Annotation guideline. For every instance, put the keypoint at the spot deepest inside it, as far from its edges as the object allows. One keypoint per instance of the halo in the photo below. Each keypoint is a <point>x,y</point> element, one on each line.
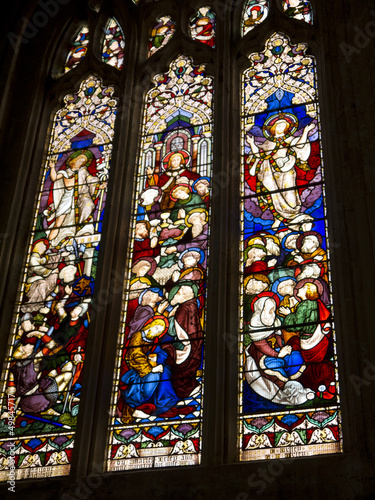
<point>203,20</point>
<point>200,179</point>
<point>183,152</point>
<point>270,122</point>
<point>158,317</point>
<point>309,233</point>
<point>193,249</point>
<point>158,189</point>
<point>300,284</point>
<point>153,289</point>
<point>185,272</point>
<point>195,211</point>
<point>273,238</point>
<point>279,233</point>
<point>142,279</point>
<point>176,288</point>
<point>151,260</point>
<point>176,187</point>
<point>253,238</point>
<point>81,152</point>
<point>262,247</point>
<point>300,266</point>
<point>144,221</point>
<point>258,277</point>
<point>276,283</point>
<point>272,295</point>
<point>44,240</point>
<point>283,241</point>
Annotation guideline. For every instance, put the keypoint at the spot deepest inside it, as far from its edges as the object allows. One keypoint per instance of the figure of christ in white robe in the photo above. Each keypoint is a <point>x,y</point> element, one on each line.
<point>64,203</point>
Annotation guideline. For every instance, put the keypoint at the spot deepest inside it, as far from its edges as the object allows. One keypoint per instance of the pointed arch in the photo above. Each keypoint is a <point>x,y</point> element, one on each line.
<point>158,384</point>
<point>289,386</point>
<point>43,368</point>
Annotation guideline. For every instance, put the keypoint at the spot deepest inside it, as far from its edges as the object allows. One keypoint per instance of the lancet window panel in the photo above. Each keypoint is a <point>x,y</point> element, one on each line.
<point>289,393</point>
<point>157,402</point>
<point>41,378</point>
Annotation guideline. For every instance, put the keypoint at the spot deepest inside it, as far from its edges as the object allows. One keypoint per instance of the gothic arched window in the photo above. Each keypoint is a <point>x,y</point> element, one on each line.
<point>51,321</point>
<point>158,405</point>
<point>289,394</point>
<point>179,253</point>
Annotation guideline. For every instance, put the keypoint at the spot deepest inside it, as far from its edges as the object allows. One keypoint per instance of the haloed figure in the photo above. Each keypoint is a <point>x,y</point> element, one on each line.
<point>74,192</point>
<point>147,388</point>
<point>276,173</point>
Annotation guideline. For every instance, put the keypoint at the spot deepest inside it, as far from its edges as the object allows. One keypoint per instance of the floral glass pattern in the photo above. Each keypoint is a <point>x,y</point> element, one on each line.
<point>78,49</point>
<point>298,9</point>
<point>114,44</point>
<point>289,395</point>
<point>158,387</point>
<point>202,26</point>
<point>161,34</point>
<point>254,13</point>
<point>41,379</point>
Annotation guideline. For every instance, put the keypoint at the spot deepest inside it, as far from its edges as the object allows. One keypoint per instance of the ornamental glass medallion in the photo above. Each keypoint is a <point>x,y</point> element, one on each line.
<point>156,404</point>
<point>78,49</point>
<point>41,379</point>
<point>254,13</point>
<point>298,9</point>
<point>161,34</point>
<point>289,394</point>
<point>113,45</point>
<point>202,26</point>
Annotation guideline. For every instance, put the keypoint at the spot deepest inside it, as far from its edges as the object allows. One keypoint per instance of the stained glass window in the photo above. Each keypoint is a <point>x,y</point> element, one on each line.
<point>78,49</point>
<point>289,396</point>
<point>158,387</point>
<point>114,44</point>
<point>255,12</point>
<point>43,369</point>
<point>202,26</point>
<point>161,34</point>
<point>298,9</point>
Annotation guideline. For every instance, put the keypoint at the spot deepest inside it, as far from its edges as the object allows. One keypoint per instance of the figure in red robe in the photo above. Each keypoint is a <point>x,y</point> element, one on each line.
<point>186,352</point>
